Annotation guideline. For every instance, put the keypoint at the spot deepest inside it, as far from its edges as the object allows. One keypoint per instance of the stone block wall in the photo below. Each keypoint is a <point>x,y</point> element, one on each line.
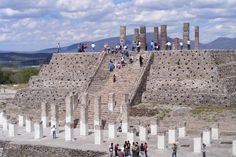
<point>191,77</point>
<point>65,73</point>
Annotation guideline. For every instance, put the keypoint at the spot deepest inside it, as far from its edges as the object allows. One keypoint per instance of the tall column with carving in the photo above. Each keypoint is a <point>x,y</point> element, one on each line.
<point>196,42</point>
<point>156,35</point>
<point>136,35</point>
<point>142,37</point>
<point>122,34</point>
<point>163,37</point>
<point>186,35</point>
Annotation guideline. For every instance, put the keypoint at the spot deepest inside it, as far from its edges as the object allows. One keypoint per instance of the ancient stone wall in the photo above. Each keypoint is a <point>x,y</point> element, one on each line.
<point>191,77</point>
<point>65,73</point>
<point>17,150</point>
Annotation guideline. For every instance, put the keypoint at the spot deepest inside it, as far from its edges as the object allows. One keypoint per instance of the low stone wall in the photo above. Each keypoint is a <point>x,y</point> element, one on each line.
<point>15,150</point>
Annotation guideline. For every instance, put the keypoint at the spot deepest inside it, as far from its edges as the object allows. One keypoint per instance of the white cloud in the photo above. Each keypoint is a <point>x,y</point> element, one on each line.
<point>42,23</point>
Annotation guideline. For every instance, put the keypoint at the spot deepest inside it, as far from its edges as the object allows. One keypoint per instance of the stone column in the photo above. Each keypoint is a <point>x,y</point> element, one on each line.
<point>122,34</point>
<point>160,141</point>
<point>84,115</point>
<point>55,117</point>
<point>112,130</point>
<point>5,124</point>
<point>12,129</point>
<point>196,42</point>
<point>111,102</point>
<point>98,134</point>
<point>214,133</point>
<point>2,114</point>
<point>69,108</point>
<point>234,147</point>
<point>197,145</point>
<point>176,44</point>
<point>44,114</point>
<point>97,110</point>
<point>171,136</point>
<point>29,125</point>
<point>142,37</point>
<point>154,127</point>
<point>69,131</point>
<point>136,35</point>
<point>186,35</point>
<point>38,130</point>
<point>206,138</point>
<point>125,114</point>
<point>131,136</point>
<point>182,132</point>
<point>142,133</point>
<point>156,35</point>
<point>163,37</point>
<point>21,120</point>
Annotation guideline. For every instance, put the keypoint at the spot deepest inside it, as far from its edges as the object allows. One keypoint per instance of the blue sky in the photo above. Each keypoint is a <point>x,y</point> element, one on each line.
<point>27,25</point>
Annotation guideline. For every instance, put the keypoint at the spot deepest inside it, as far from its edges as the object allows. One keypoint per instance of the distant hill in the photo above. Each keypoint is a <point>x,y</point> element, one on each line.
<point>44,56</point>
<point>221,43</point>
<point>13,59</point>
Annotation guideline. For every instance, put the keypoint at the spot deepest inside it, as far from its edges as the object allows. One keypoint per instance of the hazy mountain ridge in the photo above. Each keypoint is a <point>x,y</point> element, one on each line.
<point>44,56</point>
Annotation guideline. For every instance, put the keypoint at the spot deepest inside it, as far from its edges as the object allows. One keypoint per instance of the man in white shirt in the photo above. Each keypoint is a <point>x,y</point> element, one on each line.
<point>188,42</point>
<point>152,45</point>
<point>93,46</point>
<point>168,44</point>
<point>181,45</point>
<point>53,131</point>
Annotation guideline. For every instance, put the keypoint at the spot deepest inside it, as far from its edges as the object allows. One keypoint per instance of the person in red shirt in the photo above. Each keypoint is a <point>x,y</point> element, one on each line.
<point>145,149</point>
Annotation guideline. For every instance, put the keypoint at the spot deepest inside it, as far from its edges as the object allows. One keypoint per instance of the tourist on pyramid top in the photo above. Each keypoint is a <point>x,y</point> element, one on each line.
<point>152,45</point>
<point>189,44</point>
<point>118,65</point>
<point>111,66</point>
<point>122,61</point>
<point>131,58</point>
<point>155,46</point>
<point>181,45</point>
<point>58,47</point>
<point>114,78</point>
<point>134,45</point>
<point>79,47</point>
<point>140,61</point>
<point>126,52</point>
<point>168,45</point>
<point>138,46</point>
<point>93,46</point>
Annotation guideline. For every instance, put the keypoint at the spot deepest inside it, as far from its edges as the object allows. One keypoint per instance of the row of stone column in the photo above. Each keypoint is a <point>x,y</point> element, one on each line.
<point>140,35</point>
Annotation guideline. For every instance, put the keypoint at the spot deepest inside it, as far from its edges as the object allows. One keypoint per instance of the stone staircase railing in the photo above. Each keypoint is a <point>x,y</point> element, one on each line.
<point>137,87</point>
<point>103,55</point>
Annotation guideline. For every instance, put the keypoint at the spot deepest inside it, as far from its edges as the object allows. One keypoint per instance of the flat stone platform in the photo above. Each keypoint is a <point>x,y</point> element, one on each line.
<point>87,143</point>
